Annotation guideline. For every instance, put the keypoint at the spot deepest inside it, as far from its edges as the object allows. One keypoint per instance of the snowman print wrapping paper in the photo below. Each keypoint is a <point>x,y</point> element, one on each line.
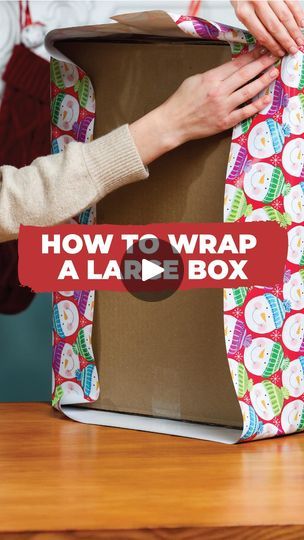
<point>263,327</point>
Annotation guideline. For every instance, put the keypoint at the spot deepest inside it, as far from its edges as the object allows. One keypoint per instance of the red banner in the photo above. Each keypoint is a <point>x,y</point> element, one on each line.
<point>120,257</point>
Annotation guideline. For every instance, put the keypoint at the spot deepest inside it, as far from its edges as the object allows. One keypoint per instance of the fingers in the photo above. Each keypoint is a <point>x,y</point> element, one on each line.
<point>243,113</point>
<point>227,69</point>
<point>273,24</point>
<point>253,89</point>
<point>285,15</point>
<point>246,12</point>
<point>296,10</point>
<point>248,72</point>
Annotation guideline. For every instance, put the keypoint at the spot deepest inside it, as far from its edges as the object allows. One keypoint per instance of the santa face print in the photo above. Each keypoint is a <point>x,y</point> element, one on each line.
<point>257,355</point>
<point>68,113</point>
<point>69,362</point>
<point>72,393</point>
<point>68,317</point>
<point>291,416</point>
<point>69,74</point>
<point>261,402</point>
<point>293,157</point>
<point>257,181</point>
<point>293,332</point>
<point>291,70</point>
<point>293,291</point>
<point>294,204</point>
<point>293,378</point>
<point>258,316</point>
<point>295,244</point>
<point>293,115</point>
<point>66,293</point>
<point>260,141</point>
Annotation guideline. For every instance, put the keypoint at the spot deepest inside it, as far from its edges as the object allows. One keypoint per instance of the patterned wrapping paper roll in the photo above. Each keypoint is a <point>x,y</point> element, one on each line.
<point>264,328</point>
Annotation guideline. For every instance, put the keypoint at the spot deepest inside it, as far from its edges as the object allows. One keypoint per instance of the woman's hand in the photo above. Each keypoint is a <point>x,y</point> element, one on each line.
<point>275,23</point>
<point>206,104</point>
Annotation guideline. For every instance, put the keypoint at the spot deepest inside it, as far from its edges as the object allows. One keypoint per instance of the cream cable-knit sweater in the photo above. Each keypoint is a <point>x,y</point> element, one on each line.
<point>55,188</point>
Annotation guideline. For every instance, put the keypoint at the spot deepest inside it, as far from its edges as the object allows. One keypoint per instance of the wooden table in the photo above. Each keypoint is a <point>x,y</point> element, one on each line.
<point>67,480</point>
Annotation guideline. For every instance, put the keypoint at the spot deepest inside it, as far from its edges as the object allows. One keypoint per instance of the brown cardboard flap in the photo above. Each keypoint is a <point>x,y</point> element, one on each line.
<point>167,358</point>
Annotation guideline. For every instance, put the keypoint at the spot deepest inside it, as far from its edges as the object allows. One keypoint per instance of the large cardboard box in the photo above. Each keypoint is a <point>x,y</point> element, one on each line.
<point>162,366</point>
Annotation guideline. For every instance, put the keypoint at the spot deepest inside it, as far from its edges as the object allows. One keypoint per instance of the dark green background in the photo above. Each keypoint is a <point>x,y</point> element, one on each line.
<point>26,352</point>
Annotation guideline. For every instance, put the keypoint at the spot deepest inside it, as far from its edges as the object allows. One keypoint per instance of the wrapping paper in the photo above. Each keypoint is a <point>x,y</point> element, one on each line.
<point>264,327</point>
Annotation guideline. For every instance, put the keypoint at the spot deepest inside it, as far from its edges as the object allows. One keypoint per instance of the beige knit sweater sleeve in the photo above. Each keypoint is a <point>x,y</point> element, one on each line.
<point>54,188</point>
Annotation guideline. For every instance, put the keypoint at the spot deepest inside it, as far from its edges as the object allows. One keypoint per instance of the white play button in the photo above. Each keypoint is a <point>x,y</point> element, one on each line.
<point>150,270</point>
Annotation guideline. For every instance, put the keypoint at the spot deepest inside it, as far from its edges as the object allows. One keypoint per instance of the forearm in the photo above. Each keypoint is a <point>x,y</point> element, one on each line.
<point>55,188</point>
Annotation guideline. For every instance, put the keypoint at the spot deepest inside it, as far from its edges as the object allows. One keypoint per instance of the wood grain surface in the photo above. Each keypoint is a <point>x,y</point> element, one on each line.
<point>60,479</point>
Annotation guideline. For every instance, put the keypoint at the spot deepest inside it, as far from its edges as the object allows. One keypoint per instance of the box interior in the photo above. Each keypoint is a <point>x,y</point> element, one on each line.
<point>163,359</point>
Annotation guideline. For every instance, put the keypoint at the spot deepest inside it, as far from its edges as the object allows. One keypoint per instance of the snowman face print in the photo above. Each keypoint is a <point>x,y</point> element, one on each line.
<point>256,356</point>
<point>234,149</point>
<point>293,291</point>
<point>246,417</point>
<point>72,393</point>
<point>295,244</point>
<point>269,430</point>
<point>258,215</point>
<point>234,366</point>
<point>91,105</point>
<point>69,317</point>
<point>291,69</point>
<point>269,91</point>
<point>293,332</point>
<point>257,181</point>
<point>87,331</point>
<point>89,311</point>
<point>229,325</point>
<point>68,114</point>
<point>293,378</point>
<point>258,316</point>
<point>229,300</point>
<point>260,141</point>
<point>61,142</point>
<point>69,362</point>
<point>230,192</point>
<point>293,115</point>
<point>291,416</point>
<point>294,204</point>
<point>261,402</point>
<point>89,132</point>
<point>293,157</point>
<point>95,388</point>
<point>69,73</point>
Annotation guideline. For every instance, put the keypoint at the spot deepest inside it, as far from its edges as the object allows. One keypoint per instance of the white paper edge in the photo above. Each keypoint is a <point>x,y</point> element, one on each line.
<point>155,425</point>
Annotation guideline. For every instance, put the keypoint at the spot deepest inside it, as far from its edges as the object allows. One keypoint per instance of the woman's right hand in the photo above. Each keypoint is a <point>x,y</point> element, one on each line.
<point>206,104</point>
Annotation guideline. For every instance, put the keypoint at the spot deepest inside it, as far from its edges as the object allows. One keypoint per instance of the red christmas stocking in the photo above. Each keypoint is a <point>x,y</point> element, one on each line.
<point>24,136</point>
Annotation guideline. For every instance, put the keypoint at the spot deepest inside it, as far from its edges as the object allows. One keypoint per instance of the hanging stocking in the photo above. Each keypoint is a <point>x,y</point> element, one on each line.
<point>24,136</point>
